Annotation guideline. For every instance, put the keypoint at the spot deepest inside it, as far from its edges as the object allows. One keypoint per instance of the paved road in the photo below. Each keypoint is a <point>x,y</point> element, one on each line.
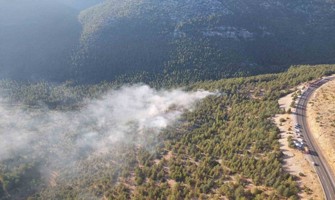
<point>322,168</point>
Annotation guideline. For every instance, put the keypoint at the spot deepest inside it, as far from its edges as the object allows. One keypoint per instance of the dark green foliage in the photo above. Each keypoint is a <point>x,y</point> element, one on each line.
<point>200,40</point>
<point>21,177</point>
<point>227,146</point>
<point>149,41</point>
<point>290,141</point>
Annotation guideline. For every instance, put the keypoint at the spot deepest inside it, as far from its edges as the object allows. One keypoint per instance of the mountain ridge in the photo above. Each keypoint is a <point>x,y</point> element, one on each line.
<point>140,40</point>
<point>169,36</point>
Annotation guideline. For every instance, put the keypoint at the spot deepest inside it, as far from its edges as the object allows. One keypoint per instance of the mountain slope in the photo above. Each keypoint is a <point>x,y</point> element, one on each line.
<point>213,38</point>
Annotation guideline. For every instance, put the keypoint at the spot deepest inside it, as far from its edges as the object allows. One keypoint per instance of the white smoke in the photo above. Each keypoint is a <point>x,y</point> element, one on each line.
<point>121,115</point>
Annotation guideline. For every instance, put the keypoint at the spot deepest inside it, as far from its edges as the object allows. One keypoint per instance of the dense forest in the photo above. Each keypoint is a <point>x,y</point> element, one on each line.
<point>227,146</point>
<point>90,41</point>
<point>78,77</point>
<point>216,39</point>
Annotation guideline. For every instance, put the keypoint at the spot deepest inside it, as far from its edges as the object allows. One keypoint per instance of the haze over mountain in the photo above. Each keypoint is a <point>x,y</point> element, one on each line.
<point>94,40</point>
<point>111,99</point>
<point>80,4</point>
<point>214,38</point>
<point>37,38</point>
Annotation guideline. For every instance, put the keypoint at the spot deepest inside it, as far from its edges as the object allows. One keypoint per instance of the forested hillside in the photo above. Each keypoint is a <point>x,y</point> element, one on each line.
<point>226,146</point>
<point>90,41</point>
<point>151,99</point>
<point>207,39</point>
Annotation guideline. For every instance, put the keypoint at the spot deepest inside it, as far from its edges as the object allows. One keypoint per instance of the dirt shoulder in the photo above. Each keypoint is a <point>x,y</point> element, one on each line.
<point>321,120</point>
<point>296,162</point>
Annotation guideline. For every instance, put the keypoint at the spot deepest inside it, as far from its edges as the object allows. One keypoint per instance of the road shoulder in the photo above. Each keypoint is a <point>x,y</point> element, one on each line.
<point>296,162</point>
<point>321,119</point>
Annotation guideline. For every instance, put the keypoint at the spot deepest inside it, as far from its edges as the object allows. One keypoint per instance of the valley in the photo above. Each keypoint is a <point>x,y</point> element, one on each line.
<point>166,100</point>
<point>142,41</point>
<point>202,40</point>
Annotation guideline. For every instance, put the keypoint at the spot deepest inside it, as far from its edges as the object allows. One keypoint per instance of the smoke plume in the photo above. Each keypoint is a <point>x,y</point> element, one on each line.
<point>123,115</point>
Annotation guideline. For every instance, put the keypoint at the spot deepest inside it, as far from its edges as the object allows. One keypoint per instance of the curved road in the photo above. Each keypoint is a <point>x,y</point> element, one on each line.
<point>321,166</point>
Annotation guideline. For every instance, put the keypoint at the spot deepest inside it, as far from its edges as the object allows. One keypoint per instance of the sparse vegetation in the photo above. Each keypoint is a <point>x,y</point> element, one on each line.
<point>321,118</point>
<point>224,147</point>
<point>56,58</point>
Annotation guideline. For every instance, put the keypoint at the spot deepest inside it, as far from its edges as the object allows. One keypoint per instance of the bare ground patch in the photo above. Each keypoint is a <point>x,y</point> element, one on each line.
<point>321,120</point>
<point>296,162</point>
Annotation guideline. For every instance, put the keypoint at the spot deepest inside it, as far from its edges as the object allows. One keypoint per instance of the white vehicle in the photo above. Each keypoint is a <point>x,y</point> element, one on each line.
<point>301,140</point>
